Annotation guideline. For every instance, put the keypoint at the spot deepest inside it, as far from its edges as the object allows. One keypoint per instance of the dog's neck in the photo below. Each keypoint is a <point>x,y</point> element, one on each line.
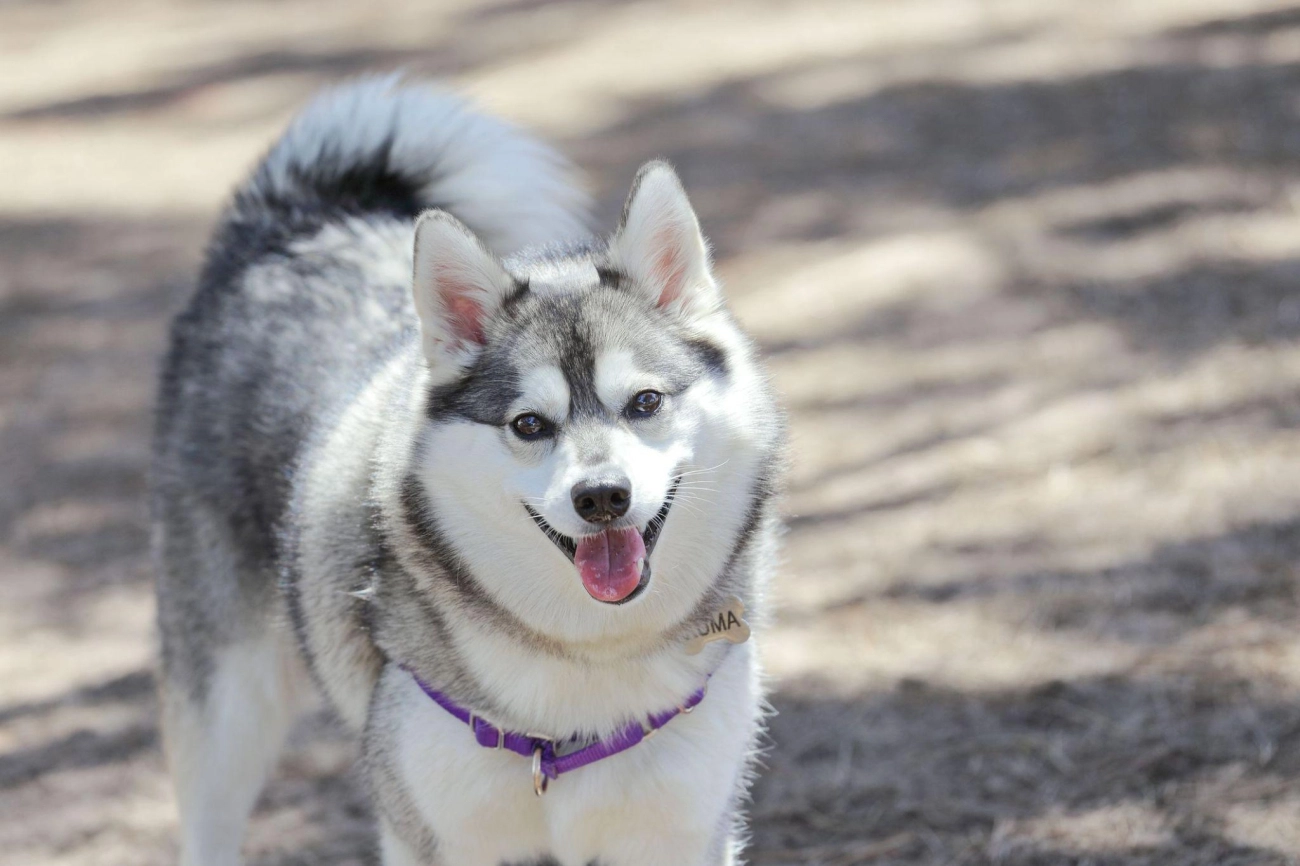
<point>471,648</point>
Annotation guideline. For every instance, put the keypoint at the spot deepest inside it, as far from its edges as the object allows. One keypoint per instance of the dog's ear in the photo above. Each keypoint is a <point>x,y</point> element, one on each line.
<point>659,246</point>
<point>458,285</point>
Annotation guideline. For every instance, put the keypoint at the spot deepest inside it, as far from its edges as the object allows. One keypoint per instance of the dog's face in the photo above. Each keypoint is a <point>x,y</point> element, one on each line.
<point>593,425</point>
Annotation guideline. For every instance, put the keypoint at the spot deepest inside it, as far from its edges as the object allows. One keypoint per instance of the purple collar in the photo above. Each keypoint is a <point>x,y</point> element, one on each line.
<point>547,763</point>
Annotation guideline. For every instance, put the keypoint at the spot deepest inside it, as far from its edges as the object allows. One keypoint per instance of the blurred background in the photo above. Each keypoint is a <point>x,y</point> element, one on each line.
<point>1028,275</point>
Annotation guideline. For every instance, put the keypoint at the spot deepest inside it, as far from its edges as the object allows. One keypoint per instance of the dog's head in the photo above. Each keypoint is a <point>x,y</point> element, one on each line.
<point>596,422</point>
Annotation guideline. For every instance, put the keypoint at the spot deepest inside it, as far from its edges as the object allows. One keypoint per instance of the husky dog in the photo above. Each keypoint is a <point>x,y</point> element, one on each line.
<point>481,480</point>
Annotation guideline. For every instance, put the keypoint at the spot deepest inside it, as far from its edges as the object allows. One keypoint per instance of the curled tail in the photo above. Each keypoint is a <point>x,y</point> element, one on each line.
<point>378,145</point>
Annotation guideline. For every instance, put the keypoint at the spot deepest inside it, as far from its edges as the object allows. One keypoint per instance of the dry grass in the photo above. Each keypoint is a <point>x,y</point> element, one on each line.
<point>1027,275</point>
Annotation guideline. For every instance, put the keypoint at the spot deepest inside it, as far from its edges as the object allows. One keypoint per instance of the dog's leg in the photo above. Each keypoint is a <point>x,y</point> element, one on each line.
<point>224,741</point>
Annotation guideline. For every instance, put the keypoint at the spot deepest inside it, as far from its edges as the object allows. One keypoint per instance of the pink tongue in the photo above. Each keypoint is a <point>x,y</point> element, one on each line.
<point>610,563</point>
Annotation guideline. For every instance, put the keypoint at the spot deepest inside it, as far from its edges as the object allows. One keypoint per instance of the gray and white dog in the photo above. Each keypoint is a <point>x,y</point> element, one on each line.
<point>419,442</point>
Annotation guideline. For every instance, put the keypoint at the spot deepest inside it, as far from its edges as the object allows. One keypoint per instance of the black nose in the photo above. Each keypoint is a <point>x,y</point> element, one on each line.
<point>602,501</point>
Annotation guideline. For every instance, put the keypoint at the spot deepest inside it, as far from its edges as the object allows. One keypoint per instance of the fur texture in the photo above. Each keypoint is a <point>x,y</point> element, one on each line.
<point>342,491</point>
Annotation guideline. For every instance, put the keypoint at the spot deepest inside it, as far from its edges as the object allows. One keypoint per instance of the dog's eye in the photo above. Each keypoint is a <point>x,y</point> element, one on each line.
<point>531,426</point>
<point>645,404</point>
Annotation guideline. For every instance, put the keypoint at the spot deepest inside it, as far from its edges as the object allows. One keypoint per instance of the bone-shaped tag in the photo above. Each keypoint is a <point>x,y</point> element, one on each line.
<point>726,624</point>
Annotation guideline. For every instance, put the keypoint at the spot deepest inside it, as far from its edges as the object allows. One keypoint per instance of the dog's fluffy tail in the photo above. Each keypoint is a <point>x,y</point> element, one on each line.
<point>378,145</point>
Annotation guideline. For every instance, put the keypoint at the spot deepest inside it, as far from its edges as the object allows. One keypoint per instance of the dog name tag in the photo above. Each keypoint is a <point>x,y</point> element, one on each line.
<point>727,624</point>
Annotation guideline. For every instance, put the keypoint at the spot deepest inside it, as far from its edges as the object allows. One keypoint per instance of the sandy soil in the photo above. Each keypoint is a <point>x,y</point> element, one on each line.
<point>1026,272</point>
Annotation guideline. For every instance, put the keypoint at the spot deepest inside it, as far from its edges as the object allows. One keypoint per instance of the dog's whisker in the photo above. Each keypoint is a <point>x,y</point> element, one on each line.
<point>706,469</point>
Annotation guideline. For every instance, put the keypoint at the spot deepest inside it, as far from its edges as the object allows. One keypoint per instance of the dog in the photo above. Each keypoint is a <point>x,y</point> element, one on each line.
<point>504,493</point>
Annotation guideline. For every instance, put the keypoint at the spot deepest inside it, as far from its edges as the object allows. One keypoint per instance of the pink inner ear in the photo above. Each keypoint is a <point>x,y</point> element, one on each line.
<point>466,319</point>
<point>669,267</point>
<point>464,314</point>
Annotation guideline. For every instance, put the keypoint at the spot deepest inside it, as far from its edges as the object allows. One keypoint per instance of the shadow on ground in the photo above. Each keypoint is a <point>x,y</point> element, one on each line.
<point>933,775</point>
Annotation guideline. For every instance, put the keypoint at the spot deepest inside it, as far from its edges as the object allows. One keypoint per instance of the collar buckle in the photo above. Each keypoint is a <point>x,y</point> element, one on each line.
<point>475,718</point>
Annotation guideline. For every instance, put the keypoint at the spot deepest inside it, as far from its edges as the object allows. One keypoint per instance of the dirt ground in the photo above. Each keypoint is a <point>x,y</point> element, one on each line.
<point>1027,274</point>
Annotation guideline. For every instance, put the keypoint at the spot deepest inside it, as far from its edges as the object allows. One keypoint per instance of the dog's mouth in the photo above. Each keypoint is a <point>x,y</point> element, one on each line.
<point>614,564</point>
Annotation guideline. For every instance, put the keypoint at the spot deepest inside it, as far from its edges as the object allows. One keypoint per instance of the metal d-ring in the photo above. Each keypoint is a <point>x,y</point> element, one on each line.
<point>540,781</point>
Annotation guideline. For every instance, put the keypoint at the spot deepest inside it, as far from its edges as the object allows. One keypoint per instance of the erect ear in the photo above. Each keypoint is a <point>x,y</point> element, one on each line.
<point>659,246</point>
<point>458,285</point>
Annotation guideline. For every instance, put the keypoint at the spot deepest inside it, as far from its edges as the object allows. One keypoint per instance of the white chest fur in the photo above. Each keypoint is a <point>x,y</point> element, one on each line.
<point>665,801</point>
